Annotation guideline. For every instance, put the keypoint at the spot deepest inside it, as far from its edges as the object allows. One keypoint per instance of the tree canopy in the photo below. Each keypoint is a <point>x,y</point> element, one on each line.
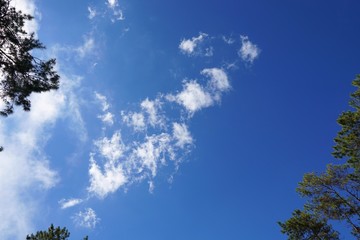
<point>21,73</point>
<point>51,234</point>
<point>334,194</point>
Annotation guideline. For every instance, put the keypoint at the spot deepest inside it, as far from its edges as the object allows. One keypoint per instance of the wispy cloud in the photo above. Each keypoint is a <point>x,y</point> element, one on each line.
<point>87,48</point>
<point>111,176</point>
<point>148,116</point>
<point>117,11</point>
<point>107,117</point>
<point>193,97</point>
<point>181,134</point>
<point>228,40</point>
<point>188,46</point>
<point>92,12</point>
<point>135,120</point>
<point>218,83</point>
<point>248,51</point>
<point>152,109</point>
<point>112,3</point>
<point>86,218</point>
<point>103,101</point>
<point>68,203</point>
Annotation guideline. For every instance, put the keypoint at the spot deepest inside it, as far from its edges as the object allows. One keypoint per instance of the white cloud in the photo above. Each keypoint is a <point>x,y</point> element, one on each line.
<point>248,51</point>
<point>92,13</point>
<point>181,134</point>
<point>68,203</point>
<point>219,81</point>
<point>112,149</point>
<point>87,48</point>
<point>135,120</point>
<point>87,218</point>
<point>193,97</point>
<point>28,7</point>
<point>106,181</point>
<point>151,108</point>
<point>73,113</point>
<point>103,101</point>
<point>209,51</point>
<point>117,12</point>
<point>112,3</point>
<point>107,118</point>
<point>24,167</point>
<point>151,186</point>
<point>228,40</point>
<point>187,46</point>
<point>147,116</point>
<point>119,15</point>
<point>151,152</point>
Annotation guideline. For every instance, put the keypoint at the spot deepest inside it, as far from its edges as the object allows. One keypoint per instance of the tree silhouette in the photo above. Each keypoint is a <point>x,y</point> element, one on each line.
<point>21,73</point>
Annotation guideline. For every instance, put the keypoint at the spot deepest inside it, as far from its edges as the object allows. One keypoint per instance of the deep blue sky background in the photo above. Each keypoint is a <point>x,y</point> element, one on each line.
<point>276,123</point>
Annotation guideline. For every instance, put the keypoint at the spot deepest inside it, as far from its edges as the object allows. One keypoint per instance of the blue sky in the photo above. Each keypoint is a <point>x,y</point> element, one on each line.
<point>177,120</point>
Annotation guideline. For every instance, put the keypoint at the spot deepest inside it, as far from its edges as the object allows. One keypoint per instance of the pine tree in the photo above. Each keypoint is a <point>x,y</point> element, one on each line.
<point>51,234</point>
<point>334,194</point>
<point>21,73</point>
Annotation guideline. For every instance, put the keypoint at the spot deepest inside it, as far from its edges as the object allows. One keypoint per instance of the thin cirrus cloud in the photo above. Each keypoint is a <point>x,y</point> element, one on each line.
<point>112,3</point>
<point>117,11</point>
<point>68,203</point>
<point>148,116</point>
<point>92,12</point>
<point>87,48</point>
<point>181,134</point>
<point>248,51</point>
<point>107,117</point>
<point>135,120</point>
<point>86,218</point>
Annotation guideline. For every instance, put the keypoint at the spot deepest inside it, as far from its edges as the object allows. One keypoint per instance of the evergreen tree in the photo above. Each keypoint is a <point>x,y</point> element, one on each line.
<point>51,234</point>
<point>333,195</point>
<point>21,73</point>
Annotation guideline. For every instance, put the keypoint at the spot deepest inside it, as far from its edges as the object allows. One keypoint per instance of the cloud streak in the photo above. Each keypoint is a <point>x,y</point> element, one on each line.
<point>69,202</point>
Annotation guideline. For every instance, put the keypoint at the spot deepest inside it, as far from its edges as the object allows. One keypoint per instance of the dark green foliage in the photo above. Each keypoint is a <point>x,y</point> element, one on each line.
<point>20,72</point>
<point>51,234</point>
<point>348,139</point>
<point>304,225</point>
<point>333,195</point>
